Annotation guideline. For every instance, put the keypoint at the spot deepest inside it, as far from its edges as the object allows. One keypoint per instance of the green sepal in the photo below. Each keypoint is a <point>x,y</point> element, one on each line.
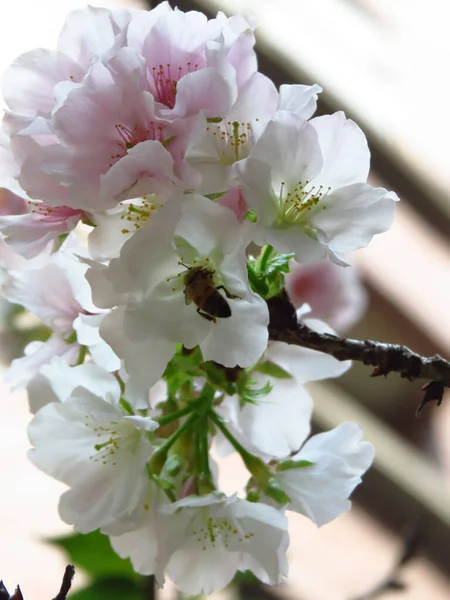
<point>162,483</point>
<point>218,377</point>
<point>72,338</point>
<point>276,492</point>
<point>270,368</point>
<point>126,406</point>
<point>250,216</point>
<point>253,496</point>
<point>168,141</point>
<point>174,464</point>
<point>286,465</point>
<point>248,393</point>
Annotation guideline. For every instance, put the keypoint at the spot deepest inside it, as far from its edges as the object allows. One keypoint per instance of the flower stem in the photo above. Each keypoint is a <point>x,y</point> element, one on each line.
<point>164,420</point>
<point>158,460</point>
<point>254,464</point>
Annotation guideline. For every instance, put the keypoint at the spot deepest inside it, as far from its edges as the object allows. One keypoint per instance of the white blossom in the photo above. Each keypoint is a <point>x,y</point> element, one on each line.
<point>99,451</point>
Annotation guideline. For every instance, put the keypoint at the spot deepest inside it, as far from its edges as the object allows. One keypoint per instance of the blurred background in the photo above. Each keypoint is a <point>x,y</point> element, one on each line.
<point>385,63</point>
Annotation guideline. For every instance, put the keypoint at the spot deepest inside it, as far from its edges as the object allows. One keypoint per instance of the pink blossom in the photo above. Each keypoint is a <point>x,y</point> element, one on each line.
<point>29,226</point>
<point>234,200</point>
<point>335,294</point>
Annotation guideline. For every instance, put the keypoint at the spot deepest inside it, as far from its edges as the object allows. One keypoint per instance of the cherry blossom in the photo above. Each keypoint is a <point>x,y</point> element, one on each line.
<point>306,182</point>
<point>154,190</point>
<point>96,449</point>
<point>56,291</point>
<point>335,463</point>
<point>277,425</point>
<point>203,541</point>
<point>148,283</point>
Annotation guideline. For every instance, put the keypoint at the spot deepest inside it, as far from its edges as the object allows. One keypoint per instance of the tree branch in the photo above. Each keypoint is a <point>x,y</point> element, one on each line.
<point>385,358</point>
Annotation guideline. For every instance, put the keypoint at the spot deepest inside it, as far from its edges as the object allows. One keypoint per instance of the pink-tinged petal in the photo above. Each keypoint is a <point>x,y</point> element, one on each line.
<point>346,156</point>
<point>235,201</point>
<point>206,91</point>
<point>29,234</point>
<point>336,295</point>
<point>29,83</point>
<point>40,169</point>
<point>146,169</point>
<point>47,293</point>
<point>175,47</point>
<point>38,354</point>
<point>93,31</point>
<point>12,204</point>
<point>240,54</point>
<point>142,22</point>
<point>257,99</point>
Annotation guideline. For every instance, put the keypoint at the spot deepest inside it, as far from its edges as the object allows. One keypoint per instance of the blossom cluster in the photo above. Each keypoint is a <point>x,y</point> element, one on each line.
<point>156,190</point>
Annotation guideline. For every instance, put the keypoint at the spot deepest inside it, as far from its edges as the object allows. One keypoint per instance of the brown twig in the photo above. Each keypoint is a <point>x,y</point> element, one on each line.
<point>66,583</point>
<point>385,358</point>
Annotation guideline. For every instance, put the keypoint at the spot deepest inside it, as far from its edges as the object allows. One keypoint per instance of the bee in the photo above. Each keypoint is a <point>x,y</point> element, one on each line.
<point>200,289</point>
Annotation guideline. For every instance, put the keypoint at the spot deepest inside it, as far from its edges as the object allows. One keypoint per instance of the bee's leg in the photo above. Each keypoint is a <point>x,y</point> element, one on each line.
<point>206,316</point>
<point>227,293</point>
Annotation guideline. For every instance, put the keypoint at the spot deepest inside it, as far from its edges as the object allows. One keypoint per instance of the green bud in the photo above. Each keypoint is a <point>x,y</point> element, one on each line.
<point>253,495</point>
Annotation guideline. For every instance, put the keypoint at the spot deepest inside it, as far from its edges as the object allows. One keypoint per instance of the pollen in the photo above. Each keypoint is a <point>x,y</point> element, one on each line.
<point>165,79</point>
<point>128,137</point>
<point>298,201</point>
<point>220,532</point>
<point>112,440</point>
<point>233,140</point>
<point>138,214</point>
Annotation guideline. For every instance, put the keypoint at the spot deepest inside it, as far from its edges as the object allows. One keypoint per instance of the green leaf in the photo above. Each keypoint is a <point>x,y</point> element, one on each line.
<point>93,553</point>
<point>114,588</point>
<point>278,263</point>
<point>266,273</point>
<point>270,368</point>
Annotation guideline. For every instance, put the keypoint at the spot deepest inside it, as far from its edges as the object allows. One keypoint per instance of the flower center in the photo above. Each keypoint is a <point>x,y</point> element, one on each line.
<point>296,202</point>
<point>50,214</point>
<point>165,79</point>
<point>233,140</point>
<point>137,213</point>
<point>220,531</point>
<point>112,439</point>
<point>128,137</point>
